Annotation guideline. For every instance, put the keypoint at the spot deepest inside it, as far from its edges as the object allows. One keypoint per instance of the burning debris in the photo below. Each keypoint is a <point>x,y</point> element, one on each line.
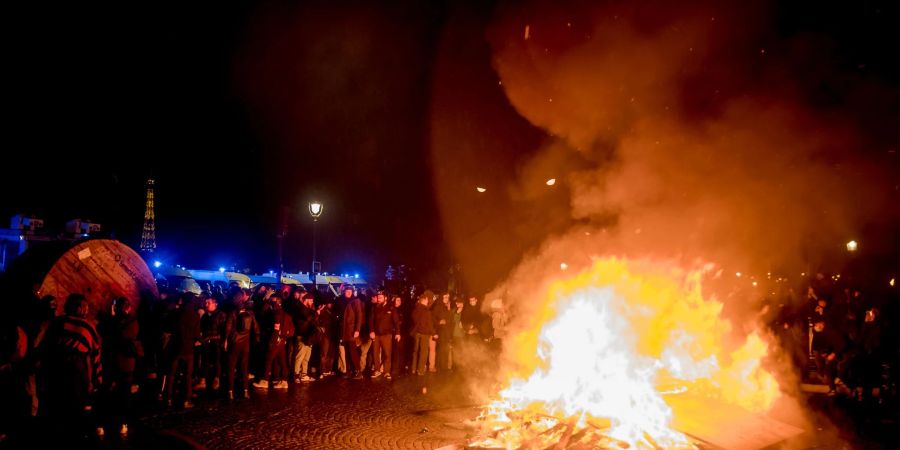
<point>606,351</point>
<point>540,431</point>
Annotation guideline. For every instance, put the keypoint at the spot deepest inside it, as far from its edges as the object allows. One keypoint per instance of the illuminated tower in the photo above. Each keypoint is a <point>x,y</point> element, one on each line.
<point>148,236</point>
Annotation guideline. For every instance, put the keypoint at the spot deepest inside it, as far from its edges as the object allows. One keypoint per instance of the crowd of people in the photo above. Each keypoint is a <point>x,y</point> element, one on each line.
<point>81,370</point>
<point>839,337</point>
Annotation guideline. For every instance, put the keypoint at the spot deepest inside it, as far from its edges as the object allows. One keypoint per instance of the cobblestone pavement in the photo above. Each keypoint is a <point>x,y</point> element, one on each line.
<point>369,414</point>
<point>330,414</point>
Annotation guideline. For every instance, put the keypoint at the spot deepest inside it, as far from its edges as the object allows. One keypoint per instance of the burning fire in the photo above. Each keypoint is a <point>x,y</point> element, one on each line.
<point>607,348</point>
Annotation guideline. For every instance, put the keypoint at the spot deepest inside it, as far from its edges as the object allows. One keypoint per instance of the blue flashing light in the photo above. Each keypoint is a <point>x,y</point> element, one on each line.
<point>84,235</point>
<point>21,237</point>
<point>221,269</point>
<point>157,264</point>
<point>355,275</point>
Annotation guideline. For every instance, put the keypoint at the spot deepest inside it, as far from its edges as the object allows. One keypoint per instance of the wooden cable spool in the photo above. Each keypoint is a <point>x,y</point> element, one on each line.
<point>99,269</point>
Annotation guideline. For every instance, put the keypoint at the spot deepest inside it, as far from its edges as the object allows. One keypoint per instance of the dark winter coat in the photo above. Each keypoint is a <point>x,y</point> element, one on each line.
<point>241,327</point>
<point>441,313</point>
<point>384,320</point>
<point>422,321</point>
<point>187,332</point>
<point>352,317</point>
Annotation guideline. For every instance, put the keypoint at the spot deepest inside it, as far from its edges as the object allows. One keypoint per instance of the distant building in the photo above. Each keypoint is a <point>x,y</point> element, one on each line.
<point>78,228</point>
<point>26,231</point>
<point>21,222</point>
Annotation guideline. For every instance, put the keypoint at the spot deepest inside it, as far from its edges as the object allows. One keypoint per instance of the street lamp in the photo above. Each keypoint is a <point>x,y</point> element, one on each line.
<point>315,210</point>
<point>852,246</point>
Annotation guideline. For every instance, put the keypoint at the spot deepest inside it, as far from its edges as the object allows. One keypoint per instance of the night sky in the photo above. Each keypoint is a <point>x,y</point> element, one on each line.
<point>238,109</point>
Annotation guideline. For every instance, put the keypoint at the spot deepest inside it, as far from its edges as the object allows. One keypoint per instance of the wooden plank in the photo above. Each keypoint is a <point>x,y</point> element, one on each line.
<point>726,426</point>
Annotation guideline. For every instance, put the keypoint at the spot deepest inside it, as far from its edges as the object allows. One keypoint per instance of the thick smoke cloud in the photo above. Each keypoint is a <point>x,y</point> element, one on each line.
<point>687,133</point>
<point>697,143</point>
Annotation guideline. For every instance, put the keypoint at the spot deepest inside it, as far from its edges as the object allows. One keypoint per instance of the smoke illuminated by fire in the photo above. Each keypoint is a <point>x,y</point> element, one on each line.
<point>609,344</point>
<point>673,135</point>
<point>668,129</point>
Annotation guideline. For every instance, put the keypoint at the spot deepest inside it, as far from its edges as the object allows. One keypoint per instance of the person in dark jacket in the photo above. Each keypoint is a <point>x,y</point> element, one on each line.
<point>186,336</point>
<point>472,318</point>
<point>240,329</point>
<point>259,301</point>
<point>456,348</point>
<point>291,306</point>
<point>15,374</point>
<point>384,326</point>
<point>305,335</point>
<point>325,326</point>
<point>71,367</point>
<point>152,315</point>
<point>45,314</point>
<point>122,349</point>
<point>870,354</point>
<point>275,330</point>
<point>351,322</point>
<point>399,355</point>
<point>365,347</point>
<point>443,324</point>
<point>422,331</point>
<point>828,347</point>
<point>212,336</point>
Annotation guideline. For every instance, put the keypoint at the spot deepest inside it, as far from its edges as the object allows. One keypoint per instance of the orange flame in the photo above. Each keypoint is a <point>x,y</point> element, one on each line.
<point>608,342</point>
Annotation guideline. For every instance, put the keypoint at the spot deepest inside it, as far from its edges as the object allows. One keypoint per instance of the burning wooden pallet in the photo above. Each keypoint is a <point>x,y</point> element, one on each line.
<point>709,424</point>
<point>537,432</point>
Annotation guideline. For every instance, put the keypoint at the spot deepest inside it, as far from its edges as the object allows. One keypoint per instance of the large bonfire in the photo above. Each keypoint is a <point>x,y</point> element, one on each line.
<point>608,350</point>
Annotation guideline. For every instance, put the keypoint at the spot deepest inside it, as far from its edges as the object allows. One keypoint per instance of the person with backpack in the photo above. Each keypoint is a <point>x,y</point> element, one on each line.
<point>240,328</point>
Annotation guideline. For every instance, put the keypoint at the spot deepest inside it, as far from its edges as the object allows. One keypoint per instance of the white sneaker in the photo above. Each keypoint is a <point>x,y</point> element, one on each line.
<point>376,374</point>
<point>261,384</point>
<point>281,385</point>
<point>307,379</point>
<point>123,430</point>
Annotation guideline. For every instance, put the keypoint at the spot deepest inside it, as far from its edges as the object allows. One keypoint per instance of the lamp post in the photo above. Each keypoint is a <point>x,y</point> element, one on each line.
<point>315,210</point>
<point>282,231</point>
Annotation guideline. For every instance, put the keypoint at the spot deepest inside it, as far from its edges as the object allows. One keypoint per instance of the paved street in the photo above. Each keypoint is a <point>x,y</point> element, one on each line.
<point>366,414</point>
<point>335,413</point>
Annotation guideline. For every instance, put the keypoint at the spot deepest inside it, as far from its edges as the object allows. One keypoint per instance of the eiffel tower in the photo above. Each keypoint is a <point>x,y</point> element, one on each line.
<point>148,236</point>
